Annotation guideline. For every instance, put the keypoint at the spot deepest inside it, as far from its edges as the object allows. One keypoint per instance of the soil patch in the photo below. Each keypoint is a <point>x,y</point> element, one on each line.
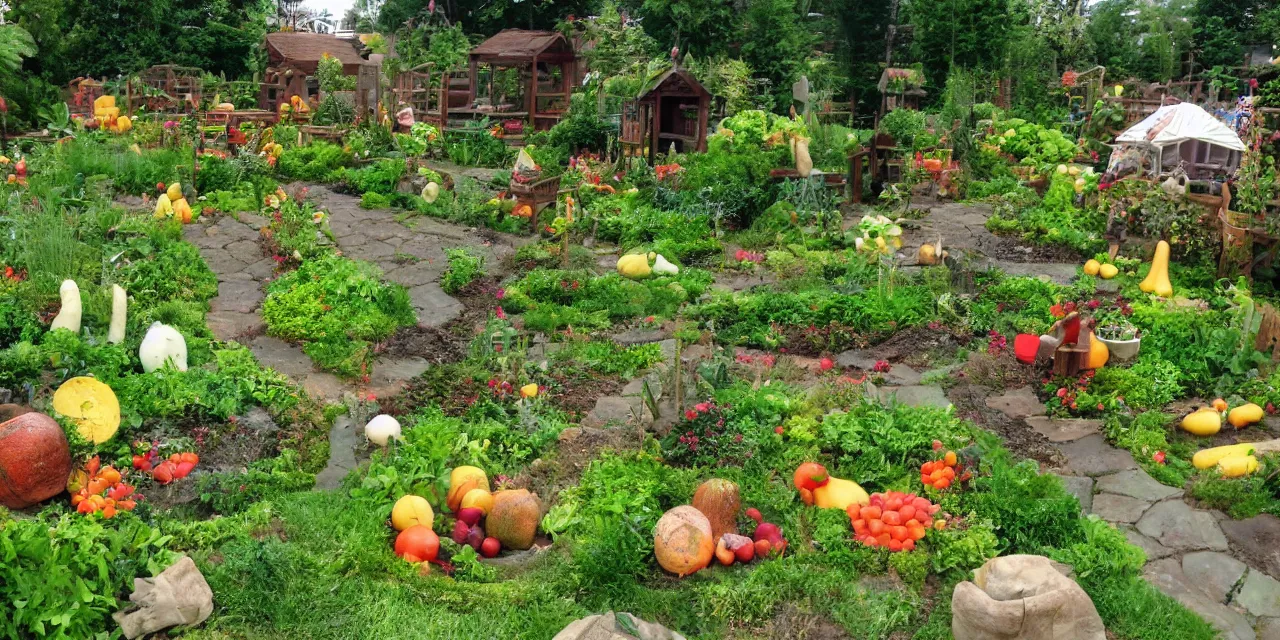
<point>436,345</point>
<point>793,623</point>
<point>970,401</point>
<point>578,393</point>
<point>577,448</point>
<point>1009,249</point>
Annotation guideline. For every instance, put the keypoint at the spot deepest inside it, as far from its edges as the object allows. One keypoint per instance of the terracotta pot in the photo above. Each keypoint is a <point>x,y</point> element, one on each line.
<point>35,460</point>
<point>1025,347</point>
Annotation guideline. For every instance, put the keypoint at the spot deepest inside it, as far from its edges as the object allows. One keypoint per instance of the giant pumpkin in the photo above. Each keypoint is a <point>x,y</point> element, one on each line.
<point>717,499</point>
<point>513,519</point>
<point>682,541</point>
<point>34,460</point>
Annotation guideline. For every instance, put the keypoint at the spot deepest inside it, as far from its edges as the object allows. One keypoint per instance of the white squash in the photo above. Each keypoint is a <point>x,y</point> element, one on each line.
<point>119,307</point>
<point>431,192</point>
<point>69,315</point>
<point>381,429</point>
<point>163,344</point>
<point>664,268</point>
<point>804,163</point>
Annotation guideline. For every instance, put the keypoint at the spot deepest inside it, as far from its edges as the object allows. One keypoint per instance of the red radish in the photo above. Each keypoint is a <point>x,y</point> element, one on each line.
<point>471,515</point>
<point>826,364</point>
<point>754,514</point>
<point>742,547</point>
<point>160,186</point>
<point>763,548</point>
<point>490,547</point>
<point>460,532</point>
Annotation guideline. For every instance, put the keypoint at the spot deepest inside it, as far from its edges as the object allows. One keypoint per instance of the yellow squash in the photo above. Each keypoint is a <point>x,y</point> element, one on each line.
<point>1108,271</point>
<point>1204,422</point>
<point>1157,280</point>
<point>92,405</point>
<point>1237,466</point>
<point>634,266</point>
<point>1098,353</point>
<point>1245,415</point>
<point>839,493</point>
<point>1207,458</point>
<point>1092,267</point>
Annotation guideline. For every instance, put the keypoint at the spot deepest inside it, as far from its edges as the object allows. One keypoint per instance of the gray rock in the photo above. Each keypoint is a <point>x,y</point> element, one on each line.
<point>606,626</point>
<point>324,386</point>
<point>1154,549</point>
<point>1260,595</point>
<point>857,358</point>
<point>435,307</point>
<point>178,596</point>
<point>246,251</point>
<point>1215,573</point>
<point>901,375</point>
<point>222,262</point>
<point>1023,597</point>
<point>239,296</point>
<point>639,336</point>
<point>1135,483</point>
<point>258,420</point>
<point>261,270</point>
<point>1082,488</point>
<point>1268,628</point>
<point>369,251</point>
<point>416,274</point>
<point>280,355</point>
<point>1167,576</point>
<point>1257,537</point>
<point>611,410</point>
<point>1063,429</point>
<point>343,440</point>
<point>232,325</point>
<point>1018,403</point>
<point>1092,456</point>
<point>1181,528</point>
<point>1114,508</point>
<point>918,396</point>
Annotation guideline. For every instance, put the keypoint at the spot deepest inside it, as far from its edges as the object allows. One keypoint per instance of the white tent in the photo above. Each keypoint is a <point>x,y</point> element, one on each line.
<point>1183,135</point>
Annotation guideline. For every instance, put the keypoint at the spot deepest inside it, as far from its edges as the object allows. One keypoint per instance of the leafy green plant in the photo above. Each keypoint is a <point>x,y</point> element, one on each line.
<point>464,267</point>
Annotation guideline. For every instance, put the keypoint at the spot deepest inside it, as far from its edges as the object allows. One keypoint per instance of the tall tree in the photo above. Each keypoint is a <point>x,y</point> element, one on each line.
<point>704,28</point>
<point>975,34</point>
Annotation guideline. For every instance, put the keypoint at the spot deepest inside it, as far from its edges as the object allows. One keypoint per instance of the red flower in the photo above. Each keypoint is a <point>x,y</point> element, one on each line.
<point>702,406</point>
<point>1158,457</point>
<point>1062,391</point>
<point>882,366</point>
<point>502,315</point>
<point>826,364</point>
<point>690,415</point>
<point>501,293</point>
<point>768,360</point>
<point>1099,406</point>
<point>778,430</point>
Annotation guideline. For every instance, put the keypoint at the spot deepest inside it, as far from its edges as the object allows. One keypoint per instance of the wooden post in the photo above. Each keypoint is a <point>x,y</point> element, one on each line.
<point>704,105</point>
<point>475,69</point>
<point>533,94</point>
<point>655,143</point>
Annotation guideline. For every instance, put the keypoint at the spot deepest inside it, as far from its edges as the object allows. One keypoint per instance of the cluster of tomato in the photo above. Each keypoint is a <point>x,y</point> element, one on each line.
<point>98,489</point>
<point>893,520</point>
<point>178,466</point>
<point>940,474</point>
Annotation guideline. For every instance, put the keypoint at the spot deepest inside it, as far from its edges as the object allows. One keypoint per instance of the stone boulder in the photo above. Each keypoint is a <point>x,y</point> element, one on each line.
<point>1023,597</point>
<point>615,626</point>
<point>178,596</point>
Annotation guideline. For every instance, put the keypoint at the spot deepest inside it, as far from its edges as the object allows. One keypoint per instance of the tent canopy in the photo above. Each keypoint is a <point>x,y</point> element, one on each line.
<point>1178,123</point>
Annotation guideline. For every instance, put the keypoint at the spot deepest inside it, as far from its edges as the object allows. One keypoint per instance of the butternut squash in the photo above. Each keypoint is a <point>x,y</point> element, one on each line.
<point>1245,415</point>
<point>1157,280</point>
<point>1237,466</point>
<point>69,315</point>
<point>1098,353</point>
<point>1207,458</point>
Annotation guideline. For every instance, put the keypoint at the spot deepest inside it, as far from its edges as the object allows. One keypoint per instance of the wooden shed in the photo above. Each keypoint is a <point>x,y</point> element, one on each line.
<point>672,108</point>
<point>292,61</point>
<point>522,75</point>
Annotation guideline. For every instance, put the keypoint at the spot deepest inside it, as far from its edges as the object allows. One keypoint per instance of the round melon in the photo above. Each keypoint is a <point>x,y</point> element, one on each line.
<point>411,510</point>
<point>513,520</point>
<point>35,460</point>
<point>717,499</point>
<point>478,498</point>
<point>682,540</point>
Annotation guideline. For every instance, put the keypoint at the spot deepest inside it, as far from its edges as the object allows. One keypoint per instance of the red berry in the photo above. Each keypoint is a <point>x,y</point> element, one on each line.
<point>826,364</point>
<point>778,429</point>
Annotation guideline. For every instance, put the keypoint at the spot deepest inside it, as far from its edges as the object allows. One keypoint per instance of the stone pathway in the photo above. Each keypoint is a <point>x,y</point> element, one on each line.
<point>1201,558</point>
<point>409,254</point>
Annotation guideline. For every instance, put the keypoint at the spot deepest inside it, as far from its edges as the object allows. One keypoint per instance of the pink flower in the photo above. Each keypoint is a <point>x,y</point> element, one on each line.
<point>743,358</point>
<point>1158,457</point>
<point>882,366</point>
<point>502,315</point>
<point>768,361</point>
<point>690,415</point>
<point>501,293</point>
<point>702,407</point>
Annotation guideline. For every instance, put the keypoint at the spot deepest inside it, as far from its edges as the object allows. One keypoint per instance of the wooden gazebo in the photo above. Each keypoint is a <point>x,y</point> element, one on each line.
<point>546,66</point>
<point>671,109</point>
<point>292,60</point>
<point>166,87</point>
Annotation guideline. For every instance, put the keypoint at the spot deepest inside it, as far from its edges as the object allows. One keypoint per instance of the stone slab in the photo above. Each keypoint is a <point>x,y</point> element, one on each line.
<point>1135,483</point>
<point>1181,528</point>
<point>435,307</point>
<point>1018,403</point>
<point>1215,573</point>
<point>238,296</point>
<point>232,325</point>
<point>343,440</point>
<point>1268,628</point>
<point>1114,508</point>
<point>1063,429</point>
<point>1167,576</point>
<point>1092,456</point>
<point>1154,549</point>
<point>1260,595</point>
<point>1082,488</point>
<point>918,396</point>
<point>280,355</point>
<point>1259,538</point>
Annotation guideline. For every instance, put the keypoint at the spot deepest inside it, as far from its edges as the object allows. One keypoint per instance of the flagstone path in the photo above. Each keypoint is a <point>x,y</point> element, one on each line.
<point>410,254</point>
<point>1223,569</point>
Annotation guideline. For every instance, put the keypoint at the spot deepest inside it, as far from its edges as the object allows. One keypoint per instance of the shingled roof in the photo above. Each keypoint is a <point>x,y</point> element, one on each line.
<point>515,45</point>
<point>304,50</point>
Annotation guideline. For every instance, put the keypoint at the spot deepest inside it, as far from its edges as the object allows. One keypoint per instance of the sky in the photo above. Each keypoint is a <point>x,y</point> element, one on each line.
<point>337,8</point>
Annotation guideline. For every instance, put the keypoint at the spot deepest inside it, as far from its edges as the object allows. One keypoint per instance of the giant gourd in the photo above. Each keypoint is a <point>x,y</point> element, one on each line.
<point>1098,353</point>
<point>718,500</point>
<point>162,344</point>
<point>35,460</point>
<point>69,315</point>
<point>1157,280</point>
<point>1204,422</point>
<point>92,405</point>
<point>119,309</point>
<point>514,518</point>
<point>682,540</point>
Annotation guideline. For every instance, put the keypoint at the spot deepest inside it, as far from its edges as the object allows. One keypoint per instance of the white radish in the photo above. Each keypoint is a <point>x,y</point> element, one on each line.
<point>381,429</point>
<point>163,345</point>
<point>69,315</point>
<point>119,308</point>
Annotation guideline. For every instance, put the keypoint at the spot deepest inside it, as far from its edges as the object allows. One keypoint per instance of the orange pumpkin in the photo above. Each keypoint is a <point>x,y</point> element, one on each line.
<point>35,460</point>
<point>418,544</point>
<point>718,500</point>
<point>523,211</point>
<point>682,541</point>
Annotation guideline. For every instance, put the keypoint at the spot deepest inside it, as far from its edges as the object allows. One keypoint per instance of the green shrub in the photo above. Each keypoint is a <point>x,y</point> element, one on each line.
<point>230,492</point>
<point>464,267</point>
<point>315,162</point>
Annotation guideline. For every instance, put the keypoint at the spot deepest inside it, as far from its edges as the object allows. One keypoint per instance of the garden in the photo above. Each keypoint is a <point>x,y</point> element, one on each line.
<point>632,341</point>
